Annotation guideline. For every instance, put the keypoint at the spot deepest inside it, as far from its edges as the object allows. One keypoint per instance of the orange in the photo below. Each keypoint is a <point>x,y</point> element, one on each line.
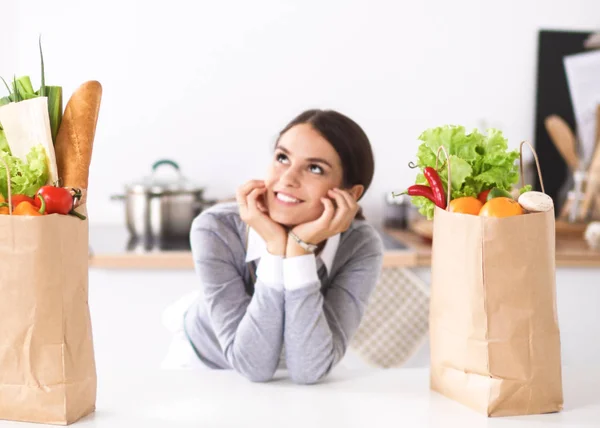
<point>501,207</point>
<point>3,209</point>
<point>466,205</point>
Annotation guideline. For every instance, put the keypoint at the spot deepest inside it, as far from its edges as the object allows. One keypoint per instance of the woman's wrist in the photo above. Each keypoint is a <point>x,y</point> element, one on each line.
<point>277,247</point>
<point>293,249</point>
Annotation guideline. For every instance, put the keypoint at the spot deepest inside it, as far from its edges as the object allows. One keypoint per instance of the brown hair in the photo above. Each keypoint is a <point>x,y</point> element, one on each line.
<point>349,141</point>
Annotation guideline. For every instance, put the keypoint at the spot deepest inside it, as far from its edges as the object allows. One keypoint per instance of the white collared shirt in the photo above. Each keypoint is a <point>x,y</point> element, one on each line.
<point>293,272</point>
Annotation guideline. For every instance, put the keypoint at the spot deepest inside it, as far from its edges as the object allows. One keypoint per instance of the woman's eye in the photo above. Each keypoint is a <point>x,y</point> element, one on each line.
<point>318,167</point>
<point>280,157</point>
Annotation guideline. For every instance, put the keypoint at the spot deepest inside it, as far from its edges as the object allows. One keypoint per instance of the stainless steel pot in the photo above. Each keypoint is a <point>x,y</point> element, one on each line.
<point>162,207</point>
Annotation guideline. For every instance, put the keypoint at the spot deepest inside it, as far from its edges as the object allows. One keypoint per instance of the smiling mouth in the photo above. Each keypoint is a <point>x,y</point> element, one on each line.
<point>287,199</point>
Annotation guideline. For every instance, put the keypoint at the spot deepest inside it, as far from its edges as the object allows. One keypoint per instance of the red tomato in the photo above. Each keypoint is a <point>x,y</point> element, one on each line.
<point>58,200</point>
<point>483,196</point>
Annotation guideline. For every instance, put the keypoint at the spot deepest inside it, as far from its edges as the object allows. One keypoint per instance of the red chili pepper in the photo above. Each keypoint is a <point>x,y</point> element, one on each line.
<point>421,190</point>
<point>437,188</point>
<point>483,196</point>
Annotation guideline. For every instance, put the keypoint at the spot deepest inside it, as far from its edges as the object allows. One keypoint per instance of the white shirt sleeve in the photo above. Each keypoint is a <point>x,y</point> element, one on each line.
<point>300,271</point>
<point>270,270</point>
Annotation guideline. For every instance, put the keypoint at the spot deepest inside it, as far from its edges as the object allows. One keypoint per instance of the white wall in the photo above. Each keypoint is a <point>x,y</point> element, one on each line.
<point>210,83</point>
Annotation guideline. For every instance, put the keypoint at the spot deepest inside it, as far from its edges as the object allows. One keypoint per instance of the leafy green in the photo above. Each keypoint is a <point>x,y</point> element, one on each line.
<point>3,142</point>
<point>526,188</point>
<point>424,205</point>
<point>25,177</point>
<point>477,162</point>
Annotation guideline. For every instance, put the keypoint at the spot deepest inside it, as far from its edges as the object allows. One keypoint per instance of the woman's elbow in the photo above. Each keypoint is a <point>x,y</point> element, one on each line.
<point>307,376</point>
<point>257,374</point>
<point>253,367</point>
<point>259,377</point>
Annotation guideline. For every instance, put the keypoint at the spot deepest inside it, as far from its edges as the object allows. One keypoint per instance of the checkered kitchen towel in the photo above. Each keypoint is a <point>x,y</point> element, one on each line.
<point>396,321</point>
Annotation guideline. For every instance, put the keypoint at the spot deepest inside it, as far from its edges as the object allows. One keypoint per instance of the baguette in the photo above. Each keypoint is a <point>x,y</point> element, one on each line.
<point>75,138</point>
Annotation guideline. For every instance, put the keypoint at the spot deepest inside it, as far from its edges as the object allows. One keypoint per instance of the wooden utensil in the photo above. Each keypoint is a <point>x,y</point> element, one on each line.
<point>592,184</point>
<point>564,139</point>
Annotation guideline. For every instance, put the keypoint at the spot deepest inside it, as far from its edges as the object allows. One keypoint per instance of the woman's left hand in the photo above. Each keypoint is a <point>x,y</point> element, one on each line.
<point>332,221</point>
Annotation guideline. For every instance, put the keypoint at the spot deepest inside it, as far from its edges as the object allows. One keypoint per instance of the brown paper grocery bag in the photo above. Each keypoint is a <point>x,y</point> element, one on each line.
<point>47,365</point>
<point>495,341</point>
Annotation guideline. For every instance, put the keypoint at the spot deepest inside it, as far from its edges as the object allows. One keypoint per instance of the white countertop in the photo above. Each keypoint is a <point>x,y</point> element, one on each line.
<point>371,398</point>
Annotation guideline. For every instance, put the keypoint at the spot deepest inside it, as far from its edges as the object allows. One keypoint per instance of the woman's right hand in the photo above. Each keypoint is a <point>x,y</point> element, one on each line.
<point>249,199</point>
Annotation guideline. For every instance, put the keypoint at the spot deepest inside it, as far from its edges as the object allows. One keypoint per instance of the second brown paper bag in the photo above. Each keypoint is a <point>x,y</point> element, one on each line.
<point>495,341</point>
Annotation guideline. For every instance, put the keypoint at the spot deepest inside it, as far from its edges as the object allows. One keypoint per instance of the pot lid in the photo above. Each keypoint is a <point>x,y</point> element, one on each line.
<point>159,182</point>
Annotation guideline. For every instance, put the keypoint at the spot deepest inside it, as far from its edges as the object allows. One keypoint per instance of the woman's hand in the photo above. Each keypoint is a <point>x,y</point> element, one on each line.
<point>332,221</point>
<point>250,199</point>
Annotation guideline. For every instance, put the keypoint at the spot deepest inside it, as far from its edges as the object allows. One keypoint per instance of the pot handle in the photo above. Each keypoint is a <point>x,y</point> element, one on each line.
<point>165,162</point>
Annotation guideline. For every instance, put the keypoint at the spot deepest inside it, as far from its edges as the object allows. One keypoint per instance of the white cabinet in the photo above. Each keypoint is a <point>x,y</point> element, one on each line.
<point>578,298</point>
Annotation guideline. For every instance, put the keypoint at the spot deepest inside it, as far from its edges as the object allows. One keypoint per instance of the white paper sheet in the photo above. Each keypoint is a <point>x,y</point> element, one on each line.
<point>583,79</point>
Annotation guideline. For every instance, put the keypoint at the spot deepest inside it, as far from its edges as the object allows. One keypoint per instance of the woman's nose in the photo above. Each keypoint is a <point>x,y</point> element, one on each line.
<point>289,177</point>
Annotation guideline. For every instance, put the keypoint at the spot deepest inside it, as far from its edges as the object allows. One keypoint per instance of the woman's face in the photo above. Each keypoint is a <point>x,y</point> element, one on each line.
<point>304,167</point>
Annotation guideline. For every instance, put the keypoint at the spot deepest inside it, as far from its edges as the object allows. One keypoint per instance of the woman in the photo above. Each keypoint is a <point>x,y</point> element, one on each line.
<point>286,271</point>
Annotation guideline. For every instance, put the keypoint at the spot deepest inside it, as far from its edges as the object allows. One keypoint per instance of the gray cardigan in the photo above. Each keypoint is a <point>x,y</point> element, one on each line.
<point>295,316</point>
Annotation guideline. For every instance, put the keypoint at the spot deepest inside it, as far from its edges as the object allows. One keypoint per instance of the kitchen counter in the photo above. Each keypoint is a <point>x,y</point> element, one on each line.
<point>347,398</point>
<point>570,251</point>
<point>112,247</point>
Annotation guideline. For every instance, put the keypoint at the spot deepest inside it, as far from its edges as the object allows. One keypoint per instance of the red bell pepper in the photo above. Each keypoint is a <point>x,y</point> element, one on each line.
<point>29,209</point>
<point>17,199</point>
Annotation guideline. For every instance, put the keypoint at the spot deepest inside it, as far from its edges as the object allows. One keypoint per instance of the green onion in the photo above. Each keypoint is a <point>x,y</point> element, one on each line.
<point>43,87</point>
<point>16,95</point>
<point>25,85</point>
<point>26,91</point>
<point>55,108</point>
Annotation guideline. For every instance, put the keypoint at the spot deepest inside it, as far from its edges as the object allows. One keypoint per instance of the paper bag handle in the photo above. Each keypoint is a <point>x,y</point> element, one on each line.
<point>437,158</point>
<point>522,178</point>
<point>537,163</point>
<point>8,186</point>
